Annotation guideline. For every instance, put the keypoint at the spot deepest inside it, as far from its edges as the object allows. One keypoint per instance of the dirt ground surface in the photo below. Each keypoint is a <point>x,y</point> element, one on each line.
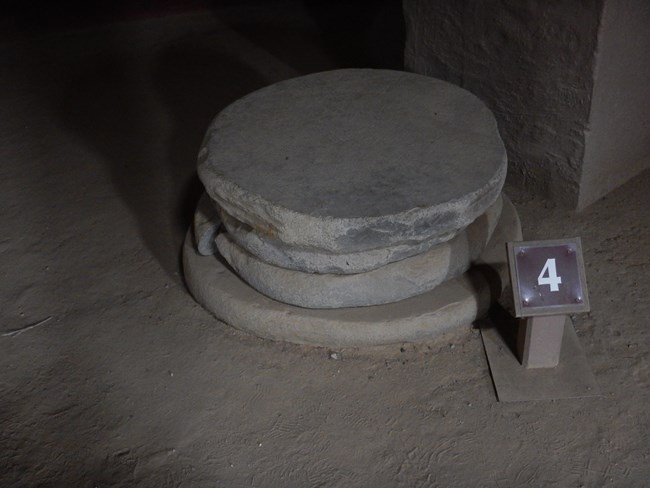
<point>131,383</point>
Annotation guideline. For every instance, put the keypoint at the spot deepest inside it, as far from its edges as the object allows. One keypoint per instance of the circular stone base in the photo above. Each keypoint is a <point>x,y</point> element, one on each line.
<point>457,302</point>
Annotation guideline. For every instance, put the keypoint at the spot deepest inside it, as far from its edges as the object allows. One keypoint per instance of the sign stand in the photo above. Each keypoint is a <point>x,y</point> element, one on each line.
<point>543,358</point>
<point>540,341</point>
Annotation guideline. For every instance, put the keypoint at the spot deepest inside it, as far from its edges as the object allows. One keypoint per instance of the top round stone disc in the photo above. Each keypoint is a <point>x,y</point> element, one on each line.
<point>355,159</point>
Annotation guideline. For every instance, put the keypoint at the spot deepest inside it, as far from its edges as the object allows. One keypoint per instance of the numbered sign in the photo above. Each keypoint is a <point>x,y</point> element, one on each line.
<point>548,277</point>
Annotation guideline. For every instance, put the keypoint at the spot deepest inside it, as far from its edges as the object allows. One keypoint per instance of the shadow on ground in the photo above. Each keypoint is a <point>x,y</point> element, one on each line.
<point>147,118</point>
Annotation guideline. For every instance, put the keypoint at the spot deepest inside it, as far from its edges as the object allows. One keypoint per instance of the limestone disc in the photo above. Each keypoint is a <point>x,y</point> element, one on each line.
<point>355,159</point>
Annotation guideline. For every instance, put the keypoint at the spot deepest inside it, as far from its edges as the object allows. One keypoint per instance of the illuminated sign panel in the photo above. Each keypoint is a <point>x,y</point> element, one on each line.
<point>548,277</point>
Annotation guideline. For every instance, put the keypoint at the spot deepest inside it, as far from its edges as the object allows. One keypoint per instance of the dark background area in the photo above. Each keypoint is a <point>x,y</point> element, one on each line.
<point>362,32</point>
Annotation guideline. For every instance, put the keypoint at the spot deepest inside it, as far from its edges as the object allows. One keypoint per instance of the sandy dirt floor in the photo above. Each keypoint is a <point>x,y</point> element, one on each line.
<point>131,383</point>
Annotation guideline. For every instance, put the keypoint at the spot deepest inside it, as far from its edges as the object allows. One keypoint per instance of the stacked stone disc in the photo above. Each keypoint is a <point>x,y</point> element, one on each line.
<point>351,207</point>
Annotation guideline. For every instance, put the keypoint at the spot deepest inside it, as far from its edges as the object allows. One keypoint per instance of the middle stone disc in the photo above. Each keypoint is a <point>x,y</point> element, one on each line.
<point>390,283</point>
<point>275,252</point>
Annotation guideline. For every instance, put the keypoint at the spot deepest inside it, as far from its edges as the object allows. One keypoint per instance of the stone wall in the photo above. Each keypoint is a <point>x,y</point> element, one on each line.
<point>617,144</point>
<point>531,62</point>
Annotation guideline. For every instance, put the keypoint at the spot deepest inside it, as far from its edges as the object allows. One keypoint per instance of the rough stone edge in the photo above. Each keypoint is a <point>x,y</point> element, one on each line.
<point>205,226</point>
<point>307,260</point>
<point>390,283</point>
<point>330,234</point>
<point>454,304</point>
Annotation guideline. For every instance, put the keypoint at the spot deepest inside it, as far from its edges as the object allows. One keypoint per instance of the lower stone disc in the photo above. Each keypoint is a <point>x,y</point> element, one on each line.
<point>455,303</point>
